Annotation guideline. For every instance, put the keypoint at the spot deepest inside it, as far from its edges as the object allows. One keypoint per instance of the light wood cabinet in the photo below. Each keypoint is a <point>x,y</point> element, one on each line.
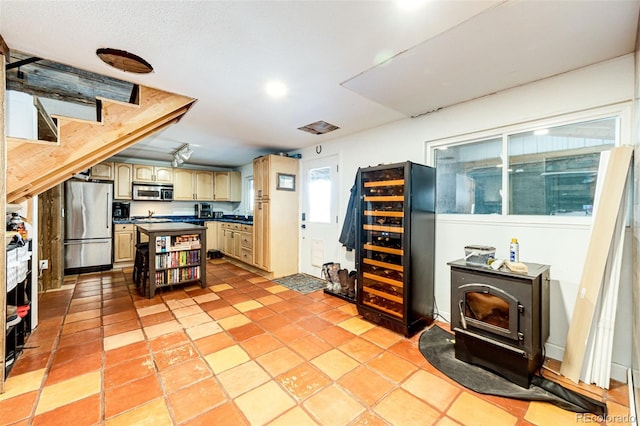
<point>228,186</point>
<point>123,174</point>
<point>147,173</point>
<point>124,246</point>
<point>183,186</point>
<point>237,241</point>
<point>193,185</point>
<point>261,177</point>
<point>102,171</point>
<point>212,235</point>
<point>275,217</point>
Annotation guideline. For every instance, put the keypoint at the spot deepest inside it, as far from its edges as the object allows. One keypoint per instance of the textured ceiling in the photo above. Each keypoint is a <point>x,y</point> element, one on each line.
<point>355,64</point>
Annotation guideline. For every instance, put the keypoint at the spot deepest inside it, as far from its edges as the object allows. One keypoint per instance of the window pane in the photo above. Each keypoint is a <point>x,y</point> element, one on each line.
<point>554,172</point>
<point>320,195</point>
<point>469,178</point>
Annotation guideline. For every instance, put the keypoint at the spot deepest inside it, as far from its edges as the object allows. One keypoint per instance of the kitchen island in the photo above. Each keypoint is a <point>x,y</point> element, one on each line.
<point>176,255</point>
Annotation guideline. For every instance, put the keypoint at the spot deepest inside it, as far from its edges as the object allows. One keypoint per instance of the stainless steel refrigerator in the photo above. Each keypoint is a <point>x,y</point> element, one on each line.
<point>88,226</point>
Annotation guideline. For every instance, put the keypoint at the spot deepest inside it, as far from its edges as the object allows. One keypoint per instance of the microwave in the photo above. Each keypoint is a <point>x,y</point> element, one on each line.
<point>152,192</point>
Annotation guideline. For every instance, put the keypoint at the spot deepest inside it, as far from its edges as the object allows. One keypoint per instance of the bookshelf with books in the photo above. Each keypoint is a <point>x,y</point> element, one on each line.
<point>176,254</point>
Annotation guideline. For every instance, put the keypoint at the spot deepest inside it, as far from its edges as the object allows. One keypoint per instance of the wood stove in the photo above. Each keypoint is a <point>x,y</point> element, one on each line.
<point>500,318</point>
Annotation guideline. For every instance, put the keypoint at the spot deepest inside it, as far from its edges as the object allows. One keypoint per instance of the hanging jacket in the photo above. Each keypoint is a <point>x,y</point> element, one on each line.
<point>348,234</point>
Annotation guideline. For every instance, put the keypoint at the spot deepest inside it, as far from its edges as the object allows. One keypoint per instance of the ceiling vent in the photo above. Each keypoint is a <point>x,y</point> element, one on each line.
<point>319,128</point>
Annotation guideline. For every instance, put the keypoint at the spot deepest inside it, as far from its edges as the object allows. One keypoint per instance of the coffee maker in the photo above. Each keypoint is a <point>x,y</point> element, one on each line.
<point>203,211</point>
<point>121,210</point>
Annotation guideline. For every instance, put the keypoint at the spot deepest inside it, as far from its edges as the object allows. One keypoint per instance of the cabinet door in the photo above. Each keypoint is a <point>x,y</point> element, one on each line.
<point>183,188</point>
<point>222,186</point>
<point>212,235</point>
<point>102,171</point>
<point>163,174</point>
<point>142,173</point>
<point>261,237</point>
<point>261,177</point>
<point>220,238</point>
<point>228,242</point>
<point>204,185</point>
<point>124,247</point>
<point>123,174</point>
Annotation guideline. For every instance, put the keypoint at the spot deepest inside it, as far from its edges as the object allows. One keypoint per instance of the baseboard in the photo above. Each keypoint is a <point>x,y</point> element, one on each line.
<point>618,371</point>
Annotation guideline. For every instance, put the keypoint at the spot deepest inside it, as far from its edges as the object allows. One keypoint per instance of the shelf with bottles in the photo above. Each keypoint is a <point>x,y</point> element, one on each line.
<point>395,245</point>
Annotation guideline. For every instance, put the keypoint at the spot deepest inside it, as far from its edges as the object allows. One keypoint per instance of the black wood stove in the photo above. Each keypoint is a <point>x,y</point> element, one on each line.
<point>500,318</point>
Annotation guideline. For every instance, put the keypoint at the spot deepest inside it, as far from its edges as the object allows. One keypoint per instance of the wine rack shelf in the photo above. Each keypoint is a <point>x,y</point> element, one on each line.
<point>395,250</point>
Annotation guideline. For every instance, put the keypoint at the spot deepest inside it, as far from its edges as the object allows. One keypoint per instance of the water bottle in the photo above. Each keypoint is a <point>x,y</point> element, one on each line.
<point>514,250</point>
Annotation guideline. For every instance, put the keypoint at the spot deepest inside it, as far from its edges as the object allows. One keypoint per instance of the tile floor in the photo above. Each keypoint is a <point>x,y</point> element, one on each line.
<point>243,351</point>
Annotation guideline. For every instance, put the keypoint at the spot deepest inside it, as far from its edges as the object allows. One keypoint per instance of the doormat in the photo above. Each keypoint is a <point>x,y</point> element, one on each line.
<point>437,346</point>
<point>302,283</point>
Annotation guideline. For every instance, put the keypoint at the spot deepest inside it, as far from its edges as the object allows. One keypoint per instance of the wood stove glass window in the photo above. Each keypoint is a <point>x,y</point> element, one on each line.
<point>487,308</point>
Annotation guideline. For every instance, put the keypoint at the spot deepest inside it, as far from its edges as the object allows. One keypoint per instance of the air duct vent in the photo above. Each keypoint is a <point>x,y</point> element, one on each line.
<point>319,128</point>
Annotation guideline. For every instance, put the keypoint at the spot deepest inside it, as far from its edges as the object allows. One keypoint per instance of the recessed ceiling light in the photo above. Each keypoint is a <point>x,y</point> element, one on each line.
<point>276,89</point>
<point>124,61</point>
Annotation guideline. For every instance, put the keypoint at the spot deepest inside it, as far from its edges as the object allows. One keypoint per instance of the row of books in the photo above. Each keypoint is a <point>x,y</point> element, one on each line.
<point>175,276</point>
<point>165,243</point>
<point>175,259</point>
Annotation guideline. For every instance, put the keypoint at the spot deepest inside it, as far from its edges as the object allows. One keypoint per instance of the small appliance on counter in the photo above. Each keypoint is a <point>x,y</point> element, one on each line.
<point>203,211</point>
<point>121,210</point>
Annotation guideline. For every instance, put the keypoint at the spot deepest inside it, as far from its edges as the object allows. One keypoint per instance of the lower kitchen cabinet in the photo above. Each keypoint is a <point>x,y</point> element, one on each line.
<point>212,235</point>
<point>237,241</point>
<point>124,244</point>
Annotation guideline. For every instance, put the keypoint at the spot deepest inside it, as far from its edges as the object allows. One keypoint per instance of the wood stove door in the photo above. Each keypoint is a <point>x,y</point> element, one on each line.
<point>489,308</point>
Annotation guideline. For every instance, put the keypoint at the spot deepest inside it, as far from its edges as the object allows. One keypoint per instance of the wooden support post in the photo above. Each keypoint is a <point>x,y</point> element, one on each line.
<point>3,210</point>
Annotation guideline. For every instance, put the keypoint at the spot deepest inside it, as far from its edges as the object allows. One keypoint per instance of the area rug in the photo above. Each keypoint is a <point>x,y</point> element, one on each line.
<point>437,346</point>
<point>302,283</point>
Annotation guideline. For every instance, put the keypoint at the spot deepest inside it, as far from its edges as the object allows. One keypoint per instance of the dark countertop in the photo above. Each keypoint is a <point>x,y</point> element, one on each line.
<point>168,227</point>
<point>188,219</point>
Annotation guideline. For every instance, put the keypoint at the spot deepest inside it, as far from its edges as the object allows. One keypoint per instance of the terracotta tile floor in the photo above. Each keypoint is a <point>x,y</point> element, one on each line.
<point>242,351</point>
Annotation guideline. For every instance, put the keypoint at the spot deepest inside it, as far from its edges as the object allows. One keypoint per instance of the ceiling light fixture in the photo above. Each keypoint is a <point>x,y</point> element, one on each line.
<point>181,155</point>
<point>276,89</point>
<point>124,61</point>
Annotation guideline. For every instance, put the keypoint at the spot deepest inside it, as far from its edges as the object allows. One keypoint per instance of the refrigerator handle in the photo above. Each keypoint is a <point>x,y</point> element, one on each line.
<point>107,212</point>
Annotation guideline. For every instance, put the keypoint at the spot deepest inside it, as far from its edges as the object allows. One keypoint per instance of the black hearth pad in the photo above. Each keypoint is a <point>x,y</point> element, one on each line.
<point>437,346</point>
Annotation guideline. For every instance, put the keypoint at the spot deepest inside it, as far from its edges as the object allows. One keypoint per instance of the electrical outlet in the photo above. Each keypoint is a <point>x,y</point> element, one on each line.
<point>44,264</point>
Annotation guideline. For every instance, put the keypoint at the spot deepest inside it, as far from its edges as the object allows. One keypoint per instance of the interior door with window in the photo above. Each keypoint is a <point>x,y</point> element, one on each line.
<point>319,233</point>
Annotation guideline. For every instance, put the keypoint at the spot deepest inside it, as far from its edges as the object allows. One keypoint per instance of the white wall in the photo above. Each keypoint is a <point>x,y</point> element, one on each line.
<point>563,246</point>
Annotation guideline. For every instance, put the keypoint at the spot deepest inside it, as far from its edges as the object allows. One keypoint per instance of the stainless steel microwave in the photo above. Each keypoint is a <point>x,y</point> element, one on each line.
<point>152,192</point>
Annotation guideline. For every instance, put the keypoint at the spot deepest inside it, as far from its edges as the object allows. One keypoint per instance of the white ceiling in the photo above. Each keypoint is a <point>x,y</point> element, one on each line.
<point>355,64</point>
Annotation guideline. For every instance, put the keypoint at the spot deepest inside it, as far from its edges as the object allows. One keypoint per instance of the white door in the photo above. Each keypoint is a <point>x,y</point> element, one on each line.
<point>319,243</point>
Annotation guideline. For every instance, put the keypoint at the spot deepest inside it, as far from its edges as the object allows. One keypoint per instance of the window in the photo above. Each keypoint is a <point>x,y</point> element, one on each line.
<point>469,178</point>
<point>320,195</point>
<point>251,193</point>
<point>552,171</point>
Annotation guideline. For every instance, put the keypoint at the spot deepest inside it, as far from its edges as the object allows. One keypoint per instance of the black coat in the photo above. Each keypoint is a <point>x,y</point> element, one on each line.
<point>348,234</point>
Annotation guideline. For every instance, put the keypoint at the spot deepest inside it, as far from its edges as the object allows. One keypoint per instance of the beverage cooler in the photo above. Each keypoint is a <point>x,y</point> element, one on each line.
<point>395,246</point>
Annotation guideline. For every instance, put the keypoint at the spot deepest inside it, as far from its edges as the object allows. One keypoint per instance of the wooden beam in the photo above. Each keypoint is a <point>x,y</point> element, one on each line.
<point>4,51</point>
<point>3,211</point>
<point>602,233</point>
<point>53,80</point>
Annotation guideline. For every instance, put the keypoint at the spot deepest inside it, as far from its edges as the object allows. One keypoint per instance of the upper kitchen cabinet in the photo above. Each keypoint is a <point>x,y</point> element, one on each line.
<point>102,171</point>
<point>228,186</point>
<point>261,177</point>
<point>147,173</point>
<point>191,185</point>
<point>123,176</point>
